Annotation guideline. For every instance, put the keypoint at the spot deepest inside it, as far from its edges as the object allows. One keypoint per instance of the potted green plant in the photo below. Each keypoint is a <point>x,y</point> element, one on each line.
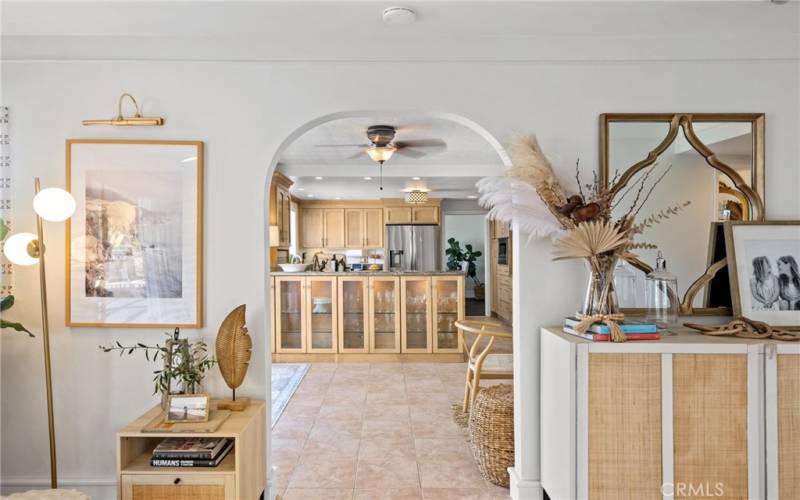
<point>458,259</point>
<point>184,362</point>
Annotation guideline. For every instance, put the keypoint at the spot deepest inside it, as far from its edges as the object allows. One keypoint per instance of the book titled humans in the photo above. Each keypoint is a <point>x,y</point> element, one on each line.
<point>196,448</point>
<point>185,462</point>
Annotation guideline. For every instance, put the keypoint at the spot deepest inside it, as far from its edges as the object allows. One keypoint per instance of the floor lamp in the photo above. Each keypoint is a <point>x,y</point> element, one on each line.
<point>26,249</point>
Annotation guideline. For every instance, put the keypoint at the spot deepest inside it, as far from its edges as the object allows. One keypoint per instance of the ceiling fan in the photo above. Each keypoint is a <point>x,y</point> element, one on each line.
<point>382,146</point>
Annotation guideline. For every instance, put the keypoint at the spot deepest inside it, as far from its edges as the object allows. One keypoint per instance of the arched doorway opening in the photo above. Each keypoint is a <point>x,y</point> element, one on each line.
<point>302,158</point>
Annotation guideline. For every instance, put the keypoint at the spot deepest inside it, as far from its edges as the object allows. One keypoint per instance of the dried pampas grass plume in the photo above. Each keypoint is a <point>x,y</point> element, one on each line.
<point>589,239</point>
<point>529,164</point>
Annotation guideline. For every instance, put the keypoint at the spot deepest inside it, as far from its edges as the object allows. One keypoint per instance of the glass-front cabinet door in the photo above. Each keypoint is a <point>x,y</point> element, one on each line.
<point>384,314</point>
<point>290,326</point>
<point>448,301</point>
<point>353,319</point>
<point>321,307</point>
<point>416,312</point>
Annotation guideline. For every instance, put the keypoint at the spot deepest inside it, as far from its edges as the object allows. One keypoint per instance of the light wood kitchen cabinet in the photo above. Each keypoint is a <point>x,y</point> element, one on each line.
<point>284,206</point>
<point>312,228</point>
<point>415,302</point>
<point>425,215</point>
<point>447,307</point>
<point>354,228</point>
<point>321,314</point>
<point>373,228</point>
<point>353,314</point>
<point>323,228</point>
<point>500,229</point>
<point>334,228</point>
<point>397,215</point>
<point>290,317</point>
<point>384,314</point>
<point>363,227</point>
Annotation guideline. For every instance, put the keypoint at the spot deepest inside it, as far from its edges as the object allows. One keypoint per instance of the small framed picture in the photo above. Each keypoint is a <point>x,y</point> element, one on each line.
<point>184,408</point>
<point>763,268</point>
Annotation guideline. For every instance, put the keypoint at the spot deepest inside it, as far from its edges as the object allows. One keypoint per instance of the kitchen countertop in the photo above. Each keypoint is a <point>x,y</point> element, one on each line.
<point>370,273</point>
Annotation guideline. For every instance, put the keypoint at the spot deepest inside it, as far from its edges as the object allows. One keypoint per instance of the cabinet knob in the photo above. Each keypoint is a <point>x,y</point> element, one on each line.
<point>176,481</point>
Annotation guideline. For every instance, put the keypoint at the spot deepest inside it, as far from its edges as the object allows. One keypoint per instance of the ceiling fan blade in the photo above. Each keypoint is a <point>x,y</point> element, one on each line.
<point>422,143</point>
<point>342,145</point>
<point>357,155</point>
<point>411,153</point>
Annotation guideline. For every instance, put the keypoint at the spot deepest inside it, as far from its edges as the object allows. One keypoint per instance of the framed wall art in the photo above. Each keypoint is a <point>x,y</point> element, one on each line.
<point>135,243</point>
<point>763,268</point>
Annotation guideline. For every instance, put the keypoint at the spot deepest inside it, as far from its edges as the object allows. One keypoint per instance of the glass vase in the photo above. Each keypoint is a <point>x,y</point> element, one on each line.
<point>601,297</point>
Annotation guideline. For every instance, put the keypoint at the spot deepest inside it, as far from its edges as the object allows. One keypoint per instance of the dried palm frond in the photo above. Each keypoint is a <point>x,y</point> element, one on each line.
<point>513,200</point>
<point>590,239</point>
<point>234,347</point>
<point>529,164</point>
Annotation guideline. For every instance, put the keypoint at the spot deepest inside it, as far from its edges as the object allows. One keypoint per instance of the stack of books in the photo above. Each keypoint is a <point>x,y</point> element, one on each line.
<point>600,332</point>
<point>191,452</point>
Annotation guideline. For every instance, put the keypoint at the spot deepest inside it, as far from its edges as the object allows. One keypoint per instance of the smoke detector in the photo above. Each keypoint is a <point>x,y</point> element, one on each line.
<point>399,15</point>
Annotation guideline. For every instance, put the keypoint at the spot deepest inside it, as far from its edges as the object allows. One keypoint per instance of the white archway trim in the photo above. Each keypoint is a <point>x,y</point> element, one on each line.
<point>525,474</point>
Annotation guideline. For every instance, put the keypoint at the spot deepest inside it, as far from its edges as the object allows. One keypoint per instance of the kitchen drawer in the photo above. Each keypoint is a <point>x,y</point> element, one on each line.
<point>181,485</point>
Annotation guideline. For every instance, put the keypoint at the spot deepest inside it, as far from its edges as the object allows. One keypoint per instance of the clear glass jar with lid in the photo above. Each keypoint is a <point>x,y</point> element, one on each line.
<point>661,291</point>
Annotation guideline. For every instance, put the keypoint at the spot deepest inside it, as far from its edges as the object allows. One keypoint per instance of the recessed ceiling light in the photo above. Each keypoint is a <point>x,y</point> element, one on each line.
<point>368,178</point>
<point>318,178</point>
<point>399,15</point>
<point>311,196</point>
<point>415,178</point>
<point>338,197</point>
<point>472,197</point>
<point>301,189</point>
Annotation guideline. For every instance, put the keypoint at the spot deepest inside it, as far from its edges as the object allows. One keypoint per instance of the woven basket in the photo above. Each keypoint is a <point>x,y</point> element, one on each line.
<point>491,432</point>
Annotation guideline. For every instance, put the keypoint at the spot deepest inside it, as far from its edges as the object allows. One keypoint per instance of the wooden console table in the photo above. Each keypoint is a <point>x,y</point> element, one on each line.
<point>240,476</point>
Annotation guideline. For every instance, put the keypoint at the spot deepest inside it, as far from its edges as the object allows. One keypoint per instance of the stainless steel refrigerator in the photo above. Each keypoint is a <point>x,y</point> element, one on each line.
<point>413,248</point>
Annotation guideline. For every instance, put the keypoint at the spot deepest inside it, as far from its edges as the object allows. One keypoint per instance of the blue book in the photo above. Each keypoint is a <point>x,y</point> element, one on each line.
<point>625,326</point>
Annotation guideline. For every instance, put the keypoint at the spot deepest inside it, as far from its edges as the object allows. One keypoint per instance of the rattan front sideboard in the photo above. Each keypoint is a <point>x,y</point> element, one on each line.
<point>686,416</point>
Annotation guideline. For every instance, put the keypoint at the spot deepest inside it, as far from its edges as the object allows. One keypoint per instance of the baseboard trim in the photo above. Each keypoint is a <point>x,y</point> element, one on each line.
<point>521,489</point>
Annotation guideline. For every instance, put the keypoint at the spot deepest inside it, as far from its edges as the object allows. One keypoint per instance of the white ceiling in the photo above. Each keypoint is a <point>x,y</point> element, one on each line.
<point>450,173</point>
<point>357,188</point>
<point>446,30</point>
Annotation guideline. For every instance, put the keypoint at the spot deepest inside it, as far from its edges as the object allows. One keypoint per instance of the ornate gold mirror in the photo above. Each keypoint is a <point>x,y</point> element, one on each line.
<point>715,162</point>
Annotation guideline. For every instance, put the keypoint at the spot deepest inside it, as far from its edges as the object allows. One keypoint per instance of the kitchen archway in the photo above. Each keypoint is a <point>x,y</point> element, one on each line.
<point>286,448</point>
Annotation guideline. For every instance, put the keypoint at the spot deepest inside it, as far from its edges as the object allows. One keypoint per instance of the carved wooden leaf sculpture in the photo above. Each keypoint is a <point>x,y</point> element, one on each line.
<point>234,347</point>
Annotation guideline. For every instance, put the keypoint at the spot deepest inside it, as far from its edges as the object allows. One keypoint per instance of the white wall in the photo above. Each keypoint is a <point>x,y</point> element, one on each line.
<point>467,229</point>
<point>243,111</point>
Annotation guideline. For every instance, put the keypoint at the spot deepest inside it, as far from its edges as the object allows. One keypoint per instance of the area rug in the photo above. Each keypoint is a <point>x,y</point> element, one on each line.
<point>286,378</point>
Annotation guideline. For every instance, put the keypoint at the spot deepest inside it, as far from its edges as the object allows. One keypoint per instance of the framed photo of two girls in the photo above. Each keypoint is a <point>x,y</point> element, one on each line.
<point>763,260</point>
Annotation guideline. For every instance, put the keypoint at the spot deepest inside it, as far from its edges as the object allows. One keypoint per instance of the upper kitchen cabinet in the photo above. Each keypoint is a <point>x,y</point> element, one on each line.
<point>425,215</point>
<point>363,227</point>
<point>397,215</point>
<point>334,228</point>
<point>397,211</point>
<point>280,202</point>
<point>313,228</point>
<point>322,227</point>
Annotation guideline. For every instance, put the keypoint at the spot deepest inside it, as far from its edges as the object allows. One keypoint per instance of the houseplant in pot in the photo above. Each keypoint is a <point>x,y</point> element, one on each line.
<point>464,259</point>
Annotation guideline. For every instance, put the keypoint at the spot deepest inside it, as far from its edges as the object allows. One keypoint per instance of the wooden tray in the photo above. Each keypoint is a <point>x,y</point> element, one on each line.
<point>215,420</point>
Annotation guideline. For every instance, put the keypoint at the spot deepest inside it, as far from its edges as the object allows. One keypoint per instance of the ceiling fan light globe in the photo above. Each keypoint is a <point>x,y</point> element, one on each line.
<point>381,154</point>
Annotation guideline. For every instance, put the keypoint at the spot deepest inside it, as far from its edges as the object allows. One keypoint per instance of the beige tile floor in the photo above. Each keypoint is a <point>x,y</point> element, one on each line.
<point>376,432</point>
